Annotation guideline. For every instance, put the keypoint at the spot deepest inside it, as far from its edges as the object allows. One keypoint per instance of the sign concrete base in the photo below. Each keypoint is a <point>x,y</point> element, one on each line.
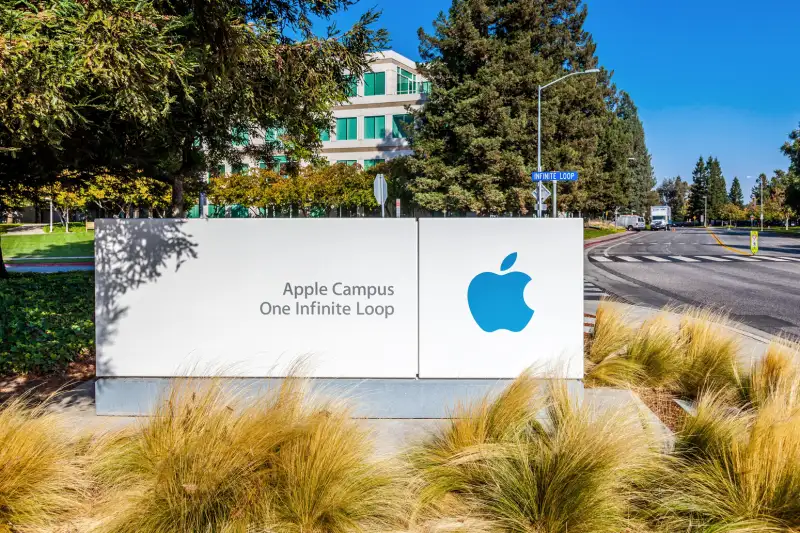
<point>370,398</point>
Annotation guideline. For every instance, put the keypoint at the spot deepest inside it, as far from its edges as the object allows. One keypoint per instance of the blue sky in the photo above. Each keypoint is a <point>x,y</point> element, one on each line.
<point>710,77</point>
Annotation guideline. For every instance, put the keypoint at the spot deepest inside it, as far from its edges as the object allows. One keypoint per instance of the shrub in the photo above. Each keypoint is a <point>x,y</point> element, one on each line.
<point>736,470</point>
<point>711,353</point>
<point>40,477</point>
<point>211,461</point>
<point>606,347</point>
<point>574,470</point>
<point>777,373</point>
<point>46,322</point>
<point>656,351</point>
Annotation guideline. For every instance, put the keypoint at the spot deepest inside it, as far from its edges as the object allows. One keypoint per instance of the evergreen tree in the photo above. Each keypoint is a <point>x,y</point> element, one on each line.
<point>736,197</point>
<point>717,193</point>
<point>698,190</point>
<point>475,140</point>
<point>640,179</point>
<point>791,149</point>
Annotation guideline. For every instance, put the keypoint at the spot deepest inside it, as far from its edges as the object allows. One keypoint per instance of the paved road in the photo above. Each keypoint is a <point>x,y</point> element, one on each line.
<point>689,266</point>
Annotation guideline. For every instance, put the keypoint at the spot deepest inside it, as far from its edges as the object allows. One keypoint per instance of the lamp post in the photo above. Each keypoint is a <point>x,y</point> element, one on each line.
<point>539,129</point>
<point>705,210</point>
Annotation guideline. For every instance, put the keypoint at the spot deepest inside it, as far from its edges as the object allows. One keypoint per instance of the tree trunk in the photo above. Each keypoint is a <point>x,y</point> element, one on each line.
<point>3,271</point>
<point>177,196</point>
<point>66,219</point>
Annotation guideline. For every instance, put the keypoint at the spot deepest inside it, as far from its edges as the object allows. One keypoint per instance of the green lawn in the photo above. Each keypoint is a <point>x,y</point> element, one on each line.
<point>591,233</point>
<point>48,245</point>
<point>74,227</point>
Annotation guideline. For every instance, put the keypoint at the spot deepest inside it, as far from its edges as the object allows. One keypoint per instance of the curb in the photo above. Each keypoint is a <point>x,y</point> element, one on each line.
<point>40,265</point>
<point>604,239</point>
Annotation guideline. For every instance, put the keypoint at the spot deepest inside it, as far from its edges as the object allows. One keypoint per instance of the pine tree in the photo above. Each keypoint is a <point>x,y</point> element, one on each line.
<point>717,193</point>
<point>698,190</point>
<point>735,196</point>
<point>640,180</point>
<point>475,140</point>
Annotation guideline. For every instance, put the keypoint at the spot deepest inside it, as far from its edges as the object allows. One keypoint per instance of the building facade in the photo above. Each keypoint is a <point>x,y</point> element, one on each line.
<point>370,127</point>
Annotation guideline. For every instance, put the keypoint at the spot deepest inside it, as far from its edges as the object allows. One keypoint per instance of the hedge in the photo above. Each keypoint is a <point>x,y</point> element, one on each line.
<point>46,321</point>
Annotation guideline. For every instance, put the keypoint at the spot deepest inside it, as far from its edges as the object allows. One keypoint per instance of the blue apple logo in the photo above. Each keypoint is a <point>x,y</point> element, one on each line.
<point>496,300</point>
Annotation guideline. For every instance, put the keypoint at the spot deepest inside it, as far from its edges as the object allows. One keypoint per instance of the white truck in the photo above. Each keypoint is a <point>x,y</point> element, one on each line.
<point>660,217</point>
<point>630,222</point>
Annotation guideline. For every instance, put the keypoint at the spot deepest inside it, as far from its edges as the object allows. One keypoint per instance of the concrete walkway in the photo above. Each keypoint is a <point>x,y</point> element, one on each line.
<point>27,229</point>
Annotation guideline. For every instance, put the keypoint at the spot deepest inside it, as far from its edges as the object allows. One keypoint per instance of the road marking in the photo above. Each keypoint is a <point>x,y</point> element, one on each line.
<point>629,259</point>
<point>742,258</point>
<point>656,258</point>
<point>685,259</point>
<point>713,258</point>
<point>791,258</point>
<point>770,258</point>
<point>601,258</point>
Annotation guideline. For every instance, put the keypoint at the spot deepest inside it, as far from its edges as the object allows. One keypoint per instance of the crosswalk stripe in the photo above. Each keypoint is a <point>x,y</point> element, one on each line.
<point>713,258</point>
<point>656,258</point>
<point>629,259</point>
<point>685,259</point>
<point>770,258</point>
<point>791,258</point>
<point>601,258</point>
<point>742,258</point>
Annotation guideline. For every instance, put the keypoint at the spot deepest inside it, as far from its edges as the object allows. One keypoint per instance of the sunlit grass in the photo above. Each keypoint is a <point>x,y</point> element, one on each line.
<point>210,461</point>
<point>41,481</point>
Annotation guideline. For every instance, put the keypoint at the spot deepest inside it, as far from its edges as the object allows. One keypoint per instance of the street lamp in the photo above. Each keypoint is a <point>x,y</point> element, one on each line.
<point>539,129</point>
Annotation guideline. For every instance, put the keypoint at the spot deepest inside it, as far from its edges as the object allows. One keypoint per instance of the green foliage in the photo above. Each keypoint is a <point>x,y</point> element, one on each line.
<point>717,194</point>
<point>735,196</point>
<point>475,139</point>
<point>674,193</point>
<point>148,88</point>
<point>47,321</point>
<point>74,227</point>
<point>698,191</point>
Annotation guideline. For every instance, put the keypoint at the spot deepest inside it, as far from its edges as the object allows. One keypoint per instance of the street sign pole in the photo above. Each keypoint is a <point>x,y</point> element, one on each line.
<point>379,190</point>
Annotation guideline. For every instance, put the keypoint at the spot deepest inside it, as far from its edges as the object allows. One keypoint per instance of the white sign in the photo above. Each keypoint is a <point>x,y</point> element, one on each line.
<point>248,297</point>
<point>500,295</point>
<point>379,189</point>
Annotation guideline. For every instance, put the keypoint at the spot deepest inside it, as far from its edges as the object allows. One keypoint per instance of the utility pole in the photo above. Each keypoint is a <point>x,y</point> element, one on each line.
<point>705,210</point>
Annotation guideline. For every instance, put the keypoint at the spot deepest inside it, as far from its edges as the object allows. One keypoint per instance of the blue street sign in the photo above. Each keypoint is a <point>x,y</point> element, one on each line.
<point>559,175</point>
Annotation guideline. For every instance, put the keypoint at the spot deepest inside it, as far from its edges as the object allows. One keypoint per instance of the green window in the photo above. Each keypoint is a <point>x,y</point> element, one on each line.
<point>348,162</point>
<point>274,134</point>
<point>325,135</point>
<point>400,125</point>
<point>239,211</point>
<point>262,164</point>
<point>346,129</point>
<point>220,170</point>
<point>240,168</point>
<point>194,212</point>
<point>425,87</point>
<point>374,83</point>
<point>406,82</point>
<point>374,127</point>
<point>241,137</point>
<point>216,211</point>
<point>369,163</point>
<point>352,86</point>
<point>279,165</point>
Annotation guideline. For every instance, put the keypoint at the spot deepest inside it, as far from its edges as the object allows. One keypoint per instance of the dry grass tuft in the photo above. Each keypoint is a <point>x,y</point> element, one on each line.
<point>736,470</point>
<point>212,461</point>
<point>40,474</point>
<point>711,353</point>
<point>777,373</point>
<point>572,469</point>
